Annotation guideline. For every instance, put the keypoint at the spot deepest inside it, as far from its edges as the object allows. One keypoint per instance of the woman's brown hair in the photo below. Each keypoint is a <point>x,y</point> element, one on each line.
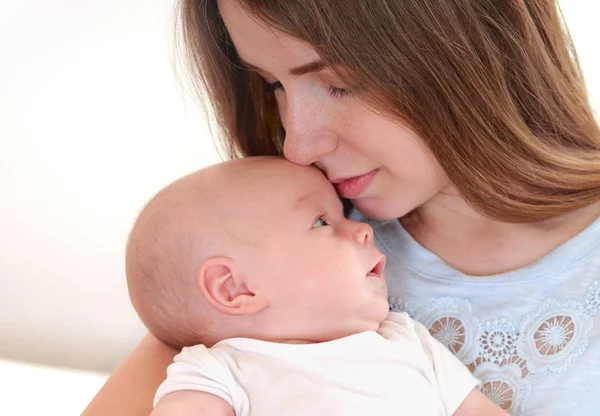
<point>493,87</point>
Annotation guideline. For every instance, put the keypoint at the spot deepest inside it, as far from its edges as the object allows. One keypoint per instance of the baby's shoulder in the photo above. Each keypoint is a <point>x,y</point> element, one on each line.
<point>398,326</point>
<point>196,354</point>
<point>398,318</point>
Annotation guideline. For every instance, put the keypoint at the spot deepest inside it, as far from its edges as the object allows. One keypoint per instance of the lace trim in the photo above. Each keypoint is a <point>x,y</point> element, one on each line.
<point>505,355</point>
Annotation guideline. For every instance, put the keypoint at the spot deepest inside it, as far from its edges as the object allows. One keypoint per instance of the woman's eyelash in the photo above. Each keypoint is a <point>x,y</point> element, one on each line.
<point>336,92</point>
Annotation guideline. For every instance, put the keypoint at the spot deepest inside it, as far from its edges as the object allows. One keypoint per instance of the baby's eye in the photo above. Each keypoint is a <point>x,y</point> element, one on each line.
<point>320,223</point>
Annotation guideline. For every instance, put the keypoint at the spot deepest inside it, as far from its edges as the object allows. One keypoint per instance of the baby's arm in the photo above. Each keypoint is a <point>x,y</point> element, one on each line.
<point>193,403</point>
<point>200,382</point>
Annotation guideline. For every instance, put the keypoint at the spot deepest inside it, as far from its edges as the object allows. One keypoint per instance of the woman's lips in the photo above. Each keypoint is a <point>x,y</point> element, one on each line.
<point>352,188</point>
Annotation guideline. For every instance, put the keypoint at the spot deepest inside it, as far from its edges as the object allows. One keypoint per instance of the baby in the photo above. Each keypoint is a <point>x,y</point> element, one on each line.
<point>280,303</point>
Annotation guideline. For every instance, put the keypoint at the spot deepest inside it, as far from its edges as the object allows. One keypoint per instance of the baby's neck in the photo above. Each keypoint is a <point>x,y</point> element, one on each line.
<point>295,341</point>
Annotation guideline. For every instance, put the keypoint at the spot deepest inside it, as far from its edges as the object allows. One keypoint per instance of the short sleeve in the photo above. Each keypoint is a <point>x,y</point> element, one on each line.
<point>197,369</point>
<point>453,378</point>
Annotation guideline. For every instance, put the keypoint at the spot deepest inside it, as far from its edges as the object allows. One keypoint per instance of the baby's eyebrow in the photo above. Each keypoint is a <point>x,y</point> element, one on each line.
<point>301,201</point>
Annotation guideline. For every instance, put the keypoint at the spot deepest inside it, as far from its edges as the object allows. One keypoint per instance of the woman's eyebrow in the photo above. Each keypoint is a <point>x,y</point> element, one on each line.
<point>314,66</point>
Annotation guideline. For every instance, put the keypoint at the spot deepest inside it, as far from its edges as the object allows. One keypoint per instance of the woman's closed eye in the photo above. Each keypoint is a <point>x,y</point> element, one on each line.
<point>335,92</point>
<point>320,222</point>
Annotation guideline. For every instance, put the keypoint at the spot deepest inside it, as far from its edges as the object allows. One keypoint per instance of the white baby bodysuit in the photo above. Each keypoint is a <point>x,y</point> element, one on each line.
<point>398,370</point>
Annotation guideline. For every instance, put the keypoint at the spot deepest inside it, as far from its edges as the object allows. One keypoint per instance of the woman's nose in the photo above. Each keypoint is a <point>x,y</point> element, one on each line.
<point>308,137</point>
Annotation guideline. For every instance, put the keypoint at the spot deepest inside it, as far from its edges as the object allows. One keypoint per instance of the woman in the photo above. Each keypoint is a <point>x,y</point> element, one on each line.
<point>463,128</point>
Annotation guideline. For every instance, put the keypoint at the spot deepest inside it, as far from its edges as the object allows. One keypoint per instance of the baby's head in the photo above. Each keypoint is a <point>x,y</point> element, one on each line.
<point>256,248</point>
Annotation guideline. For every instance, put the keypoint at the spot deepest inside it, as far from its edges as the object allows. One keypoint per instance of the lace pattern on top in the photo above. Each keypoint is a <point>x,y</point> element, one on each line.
<point>506,356</point>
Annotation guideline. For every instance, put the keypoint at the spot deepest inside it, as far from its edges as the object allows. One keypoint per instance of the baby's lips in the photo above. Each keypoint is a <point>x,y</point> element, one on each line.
<point>379,267</point>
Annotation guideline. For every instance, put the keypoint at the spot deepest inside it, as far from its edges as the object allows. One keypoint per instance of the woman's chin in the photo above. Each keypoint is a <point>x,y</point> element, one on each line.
<point>378,209</point>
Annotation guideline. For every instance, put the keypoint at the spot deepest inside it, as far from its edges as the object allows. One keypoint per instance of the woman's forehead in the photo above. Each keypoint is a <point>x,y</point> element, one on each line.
<point>260,46</point>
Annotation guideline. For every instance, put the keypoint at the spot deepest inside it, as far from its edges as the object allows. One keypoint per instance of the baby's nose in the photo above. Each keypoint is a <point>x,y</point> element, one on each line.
<point>363,233</point>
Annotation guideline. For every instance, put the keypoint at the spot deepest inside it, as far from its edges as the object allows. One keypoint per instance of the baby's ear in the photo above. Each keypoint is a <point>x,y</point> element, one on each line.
<point>224,287</point>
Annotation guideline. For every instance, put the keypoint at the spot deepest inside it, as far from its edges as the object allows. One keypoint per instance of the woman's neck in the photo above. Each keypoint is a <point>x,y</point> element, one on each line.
<point>480,246</point>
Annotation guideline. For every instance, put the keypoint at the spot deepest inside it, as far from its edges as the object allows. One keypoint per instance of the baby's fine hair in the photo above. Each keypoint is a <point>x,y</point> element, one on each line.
<point>162,258</point>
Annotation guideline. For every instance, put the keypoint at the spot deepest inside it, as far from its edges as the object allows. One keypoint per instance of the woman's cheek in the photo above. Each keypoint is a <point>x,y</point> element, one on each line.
<point>281,106</point>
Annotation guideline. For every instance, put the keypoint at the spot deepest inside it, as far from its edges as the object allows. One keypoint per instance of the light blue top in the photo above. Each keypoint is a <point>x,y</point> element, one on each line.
<point>532,336</point>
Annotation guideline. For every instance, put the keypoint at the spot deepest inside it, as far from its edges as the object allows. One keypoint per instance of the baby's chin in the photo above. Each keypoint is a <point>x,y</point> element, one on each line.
<point>379,312</point>
<point>383,311</point>
<point>378,307</point>
<point>371,319</point>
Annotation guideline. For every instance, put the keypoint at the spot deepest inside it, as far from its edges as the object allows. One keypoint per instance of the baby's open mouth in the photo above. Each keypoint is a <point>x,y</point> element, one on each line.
<point>377,271</point>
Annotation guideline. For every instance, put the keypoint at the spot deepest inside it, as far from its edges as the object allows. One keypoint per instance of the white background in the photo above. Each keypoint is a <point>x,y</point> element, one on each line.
<point>92,124</point>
